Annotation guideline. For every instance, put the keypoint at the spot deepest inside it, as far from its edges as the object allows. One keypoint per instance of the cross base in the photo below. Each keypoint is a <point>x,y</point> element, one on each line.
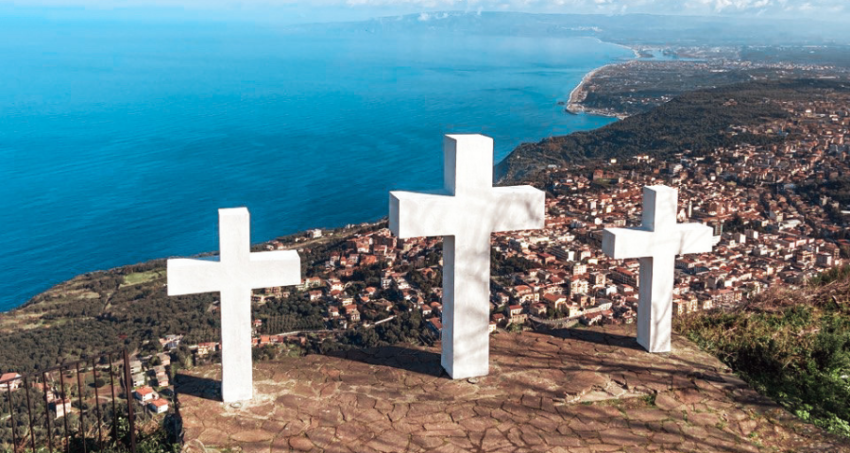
<point>474,367</point>
<point>653,349</point>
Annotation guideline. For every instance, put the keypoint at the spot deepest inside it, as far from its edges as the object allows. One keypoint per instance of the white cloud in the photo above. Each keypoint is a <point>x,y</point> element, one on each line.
<point>809,8</point>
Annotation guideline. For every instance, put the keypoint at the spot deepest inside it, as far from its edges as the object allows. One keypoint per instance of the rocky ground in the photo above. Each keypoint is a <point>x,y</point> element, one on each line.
<point>582,390</point>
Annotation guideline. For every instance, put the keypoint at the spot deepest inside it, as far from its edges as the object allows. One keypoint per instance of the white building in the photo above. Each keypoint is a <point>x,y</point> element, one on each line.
<point>10,381</point>
<point>158,406</point>
<point>145,394</point>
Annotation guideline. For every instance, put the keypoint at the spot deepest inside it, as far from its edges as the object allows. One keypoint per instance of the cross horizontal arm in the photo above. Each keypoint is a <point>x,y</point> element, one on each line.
<point>695,238</point>
<point>414,214</point>
<point>626,243</point>
<point>278,268</point>
<point>262,270</point>
<point>193,276</point>
<point>518,208</point>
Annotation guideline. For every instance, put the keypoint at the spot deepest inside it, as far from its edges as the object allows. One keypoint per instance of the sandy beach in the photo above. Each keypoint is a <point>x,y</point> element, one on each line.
<point>578,94</point>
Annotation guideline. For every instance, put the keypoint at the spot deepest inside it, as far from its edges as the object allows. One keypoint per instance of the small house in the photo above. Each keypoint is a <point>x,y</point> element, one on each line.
<point>158,406</point>
<point>144,394</point>
<point>62,407</point>
<point>135,366</point>
<point>10,381</point>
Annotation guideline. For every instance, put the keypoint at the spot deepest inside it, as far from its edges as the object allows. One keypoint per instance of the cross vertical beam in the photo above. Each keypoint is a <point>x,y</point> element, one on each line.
<point>234,274</point>
<point>465,213</point>
<point>466,284</point>
<point>656,243</point>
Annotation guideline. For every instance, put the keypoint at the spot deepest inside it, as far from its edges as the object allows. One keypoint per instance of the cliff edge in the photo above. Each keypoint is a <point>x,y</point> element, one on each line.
<point>582,390</point>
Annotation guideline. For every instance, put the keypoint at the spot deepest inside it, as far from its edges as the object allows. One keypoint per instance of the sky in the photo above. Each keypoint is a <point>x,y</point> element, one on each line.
<point>297,11</point>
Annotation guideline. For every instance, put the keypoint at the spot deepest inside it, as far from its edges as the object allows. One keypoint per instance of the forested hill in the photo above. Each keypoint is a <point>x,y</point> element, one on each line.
<point>699,121</point>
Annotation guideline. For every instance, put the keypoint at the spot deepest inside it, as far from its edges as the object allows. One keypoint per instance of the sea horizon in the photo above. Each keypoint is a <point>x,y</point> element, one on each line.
<point>306,131</point>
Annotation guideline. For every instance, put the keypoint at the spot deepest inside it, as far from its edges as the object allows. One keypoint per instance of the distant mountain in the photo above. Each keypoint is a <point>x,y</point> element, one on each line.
<point>624,29</point>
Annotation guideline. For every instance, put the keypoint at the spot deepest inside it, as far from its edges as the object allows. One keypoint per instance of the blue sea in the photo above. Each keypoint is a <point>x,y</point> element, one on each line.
<point>119,141</point>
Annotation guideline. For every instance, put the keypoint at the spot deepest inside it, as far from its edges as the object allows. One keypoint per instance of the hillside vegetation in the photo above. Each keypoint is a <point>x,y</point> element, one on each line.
<point>128,306</point>
<point>699,121</point>
<point>793,346</point>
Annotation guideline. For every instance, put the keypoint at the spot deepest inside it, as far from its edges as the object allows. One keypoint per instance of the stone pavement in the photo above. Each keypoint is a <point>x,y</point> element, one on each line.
<point>583,390</point>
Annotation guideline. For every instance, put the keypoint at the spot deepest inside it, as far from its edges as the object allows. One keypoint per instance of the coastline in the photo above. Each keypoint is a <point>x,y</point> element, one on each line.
<point>579,94</point>
<point>634,50</point>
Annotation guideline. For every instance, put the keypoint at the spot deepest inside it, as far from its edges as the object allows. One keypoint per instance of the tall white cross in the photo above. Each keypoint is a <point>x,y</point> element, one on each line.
<point>465,213</point>
<point>657,242</point>
<point>234,273</point>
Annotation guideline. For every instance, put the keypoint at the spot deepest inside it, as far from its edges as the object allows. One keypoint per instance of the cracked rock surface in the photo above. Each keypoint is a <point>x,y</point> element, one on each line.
<point>586,390</point>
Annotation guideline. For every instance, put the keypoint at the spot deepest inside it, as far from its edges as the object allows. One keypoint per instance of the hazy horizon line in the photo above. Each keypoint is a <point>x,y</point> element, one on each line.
<point>124,13</point>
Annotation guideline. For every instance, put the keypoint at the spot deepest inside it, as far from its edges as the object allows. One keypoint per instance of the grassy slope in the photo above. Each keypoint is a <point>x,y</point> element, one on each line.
<point>793,346</point>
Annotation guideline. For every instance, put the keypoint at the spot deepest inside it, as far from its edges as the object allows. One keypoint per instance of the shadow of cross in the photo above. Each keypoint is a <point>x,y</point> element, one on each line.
<point>657,242</point>
<point>234,274</point>
<point>465,213</point>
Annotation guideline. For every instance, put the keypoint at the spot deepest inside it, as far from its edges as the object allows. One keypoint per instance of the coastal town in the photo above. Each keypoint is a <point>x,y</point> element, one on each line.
<point>86,395</point>
<point>658,75</point>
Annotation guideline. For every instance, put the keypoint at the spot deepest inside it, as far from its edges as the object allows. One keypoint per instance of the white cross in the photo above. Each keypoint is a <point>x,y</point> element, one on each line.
<point>234,273</point>
<point>657,242</point>
<point>465,213</point>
